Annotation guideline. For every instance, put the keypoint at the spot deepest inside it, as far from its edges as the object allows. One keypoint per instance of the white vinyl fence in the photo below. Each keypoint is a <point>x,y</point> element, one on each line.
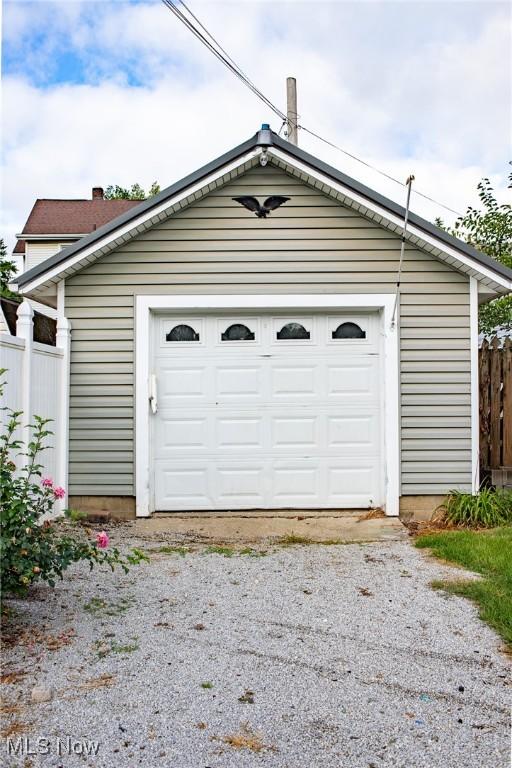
<point>36,383</point>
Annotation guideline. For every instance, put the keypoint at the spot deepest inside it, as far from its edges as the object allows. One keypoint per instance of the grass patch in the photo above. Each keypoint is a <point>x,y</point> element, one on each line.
<point>171,550</point>
<point>207,685</point>
<point>215,549</point>
<point>99,607</point>
<point>488,553</point>
<point>126,648</point>
<point>250,552</point>
<point>292,539</point>
<point>75,515</point>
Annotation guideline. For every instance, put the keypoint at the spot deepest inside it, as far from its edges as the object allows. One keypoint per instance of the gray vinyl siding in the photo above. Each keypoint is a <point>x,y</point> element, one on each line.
<point>310,245</point>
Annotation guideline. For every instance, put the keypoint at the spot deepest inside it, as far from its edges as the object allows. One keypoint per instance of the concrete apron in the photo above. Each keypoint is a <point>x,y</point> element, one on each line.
<point>267,526</point>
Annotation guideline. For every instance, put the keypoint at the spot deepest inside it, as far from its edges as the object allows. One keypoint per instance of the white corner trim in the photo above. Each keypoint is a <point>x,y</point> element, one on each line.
<point>475,387</point>
<point>63,342</point>
<point>144,305</point>
<point>143,507</point>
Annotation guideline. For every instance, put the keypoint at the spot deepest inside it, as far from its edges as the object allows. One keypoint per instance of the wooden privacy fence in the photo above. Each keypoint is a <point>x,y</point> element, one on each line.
<point>495,369</point>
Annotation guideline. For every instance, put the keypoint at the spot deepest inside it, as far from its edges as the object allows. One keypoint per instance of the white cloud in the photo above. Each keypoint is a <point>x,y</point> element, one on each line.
<point>416,87</point>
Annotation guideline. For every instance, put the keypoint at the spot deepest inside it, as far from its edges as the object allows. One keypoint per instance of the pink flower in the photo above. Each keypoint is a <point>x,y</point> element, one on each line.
<point>59,493</point>
<point>47,482</point>
<point>102,540</point>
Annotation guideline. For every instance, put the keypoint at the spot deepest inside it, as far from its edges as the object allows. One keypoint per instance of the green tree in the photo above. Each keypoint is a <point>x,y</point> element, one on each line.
<point>136,192</point>
<point>490,231</point>
<point>7,272</point>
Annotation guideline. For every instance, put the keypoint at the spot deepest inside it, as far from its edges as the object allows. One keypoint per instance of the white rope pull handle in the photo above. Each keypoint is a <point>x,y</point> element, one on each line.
<point>153,402</point>
<point>408,184</point>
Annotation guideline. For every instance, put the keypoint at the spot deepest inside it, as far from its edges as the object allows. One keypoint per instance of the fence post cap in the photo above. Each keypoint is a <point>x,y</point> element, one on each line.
<point>25,309</point>
<point>63,324</point>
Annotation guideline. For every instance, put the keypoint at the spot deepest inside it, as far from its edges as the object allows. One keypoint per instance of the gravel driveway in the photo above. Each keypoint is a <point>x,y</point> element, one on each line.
<point>304,657</point>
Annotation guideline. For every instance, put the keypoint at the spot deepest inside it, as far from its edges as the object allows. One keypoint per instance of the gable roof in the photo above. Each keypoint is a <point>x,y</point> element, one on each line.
<point>311,170</point>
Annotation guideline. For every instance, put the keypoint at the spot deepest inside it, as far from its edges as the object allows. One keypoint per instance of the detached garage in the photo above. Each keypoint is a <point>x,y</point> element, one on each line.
<point>238,342</point>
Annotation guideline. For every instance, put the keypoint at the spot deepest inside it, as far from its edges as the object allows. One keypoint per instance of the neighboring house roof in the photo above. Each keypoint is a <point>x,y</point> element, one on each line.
<point>19,247</point>
<point>72,217</point>
<point>310,169</point>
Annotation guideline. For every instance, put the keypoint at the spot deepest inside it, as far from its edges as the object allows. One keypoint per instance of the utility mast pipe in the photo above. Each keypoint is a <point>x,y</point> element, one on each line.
<point>291,109</point>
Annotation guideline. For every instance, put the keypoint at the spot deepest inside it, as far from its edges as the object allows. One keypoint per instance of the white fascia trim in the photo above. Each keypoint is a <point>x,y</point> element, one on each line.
<point>475,386</point>
<point>133,224</point>
<point>144,305</point>
<point>61,298</point>
<point>287,160</point>
<point>391,217</point>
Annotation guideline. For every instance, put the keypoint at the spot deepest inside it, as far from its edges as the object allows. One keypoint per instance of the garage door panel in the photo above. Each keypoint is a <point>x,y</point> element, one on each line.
<point>183,487</point>
<point>175,434</point>
<point>240,485</point>
<point>295,432</point>
<point>178,384</point>
<point>354,482</point>
<point>266,422</point>
<point>295,483</point>
<point>239,432</point>
<point>352,380</point>
<point>294,381</point>
<point>346,432</point>
<point>235,382</point>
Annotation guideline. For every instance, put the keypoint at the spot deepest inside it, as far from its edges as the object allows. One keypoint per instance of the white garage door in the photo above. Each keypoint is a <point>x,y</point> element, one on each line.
<point>267,411</point>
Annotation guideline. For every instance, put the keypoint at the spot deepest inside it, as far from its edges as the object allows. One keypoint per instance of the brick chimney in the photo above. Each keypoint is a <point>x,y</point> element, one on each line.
<point>97,193</point>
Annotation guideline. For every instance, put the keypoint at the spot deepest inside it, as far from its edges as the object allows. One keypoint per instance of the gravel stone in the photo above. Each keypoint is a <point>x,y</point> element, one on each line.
<point>314,656</point>
<point>40,694</point>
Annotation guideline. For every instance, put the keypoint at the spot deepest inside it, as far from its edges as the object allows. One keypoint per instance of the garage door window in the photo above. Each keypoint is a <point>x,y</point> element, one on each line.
<point>349,331</point>
<point>237,332</point>
<point>293,331</point>
<point>182,333</point>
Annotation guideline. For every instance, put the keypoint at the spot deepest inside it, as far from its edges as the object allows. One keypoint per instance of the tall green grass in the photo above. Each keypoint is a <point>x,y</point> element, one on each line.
<point>487,509</point>
<point>488,553</point>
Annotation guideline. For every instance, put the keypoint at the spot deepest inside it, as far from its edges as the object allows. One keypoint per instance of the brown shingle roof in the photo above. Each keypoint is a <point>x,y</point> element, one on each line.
<point>19,247</point>
<point>73,217</point>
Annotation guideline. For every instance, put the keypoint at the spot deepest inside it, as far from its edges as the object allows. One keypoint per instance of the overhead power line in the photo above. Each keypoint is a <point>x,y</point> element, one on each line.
<point>219,52</point>
<point>378,170</point>
<point>213,45</point>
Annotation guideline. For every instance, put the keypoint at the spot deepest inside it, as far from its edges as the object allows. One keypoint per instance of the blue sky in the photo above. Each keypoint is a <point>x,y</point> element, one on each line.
<point>117,92</point>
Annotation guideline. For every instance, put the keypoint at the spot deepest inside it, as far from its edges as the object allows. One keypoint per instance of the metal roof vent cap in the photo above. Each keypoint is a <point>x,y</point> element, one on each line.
<point>265,136</point>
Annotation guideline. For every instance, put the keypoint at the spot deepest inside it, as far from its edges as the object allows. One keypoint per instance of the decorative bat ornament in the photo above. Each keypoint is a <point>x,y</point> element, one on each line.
<point>261,211</point>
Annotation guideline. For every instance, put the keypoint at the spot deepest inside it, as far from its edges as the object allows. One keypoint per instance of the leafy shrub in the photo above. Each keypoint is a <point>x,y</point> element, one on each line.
<point>32,548</point>
<point>487,509</point>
